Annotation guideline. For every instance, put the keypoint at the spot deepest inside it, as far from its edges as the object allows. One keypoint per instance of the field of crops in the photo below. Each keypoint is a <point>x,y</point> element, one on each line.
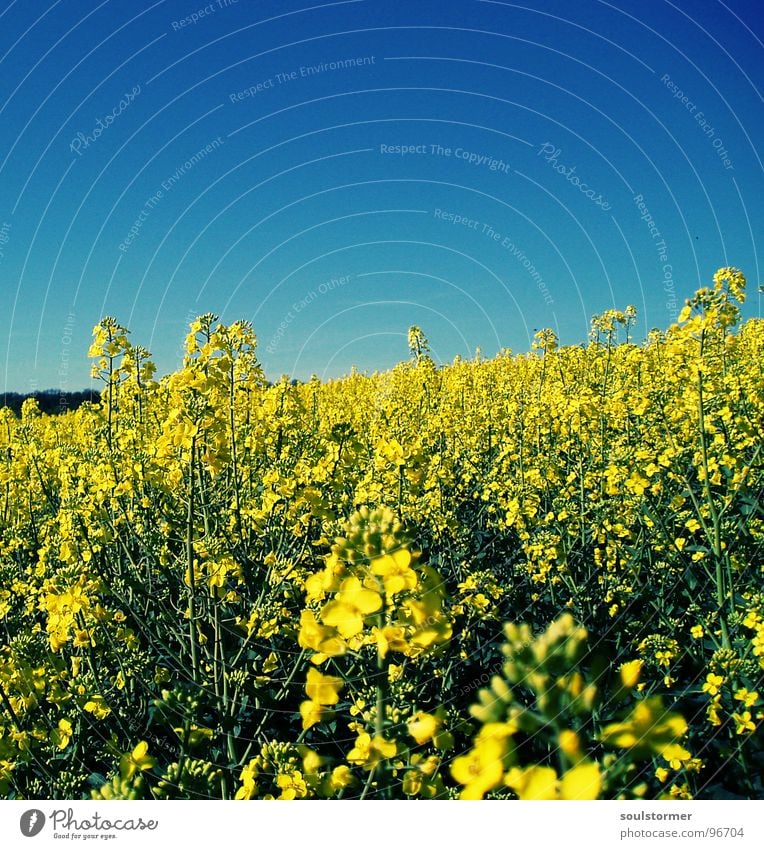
<point>537,576</point>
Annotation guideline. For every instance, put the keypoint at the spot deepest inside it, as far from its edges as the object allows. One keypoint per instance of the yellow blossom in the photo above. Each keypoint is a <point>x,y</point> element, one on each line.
<point>713,683</point>
<point>323,689</point>
<point>748,699</point>
<point>98,707</point>
<point>423,727</point>
<point>649,729</point>
<point>352,605</point>
<point>743,722</point>
<point>368,752</point>
<point>630,673</point>
<point>533,783</point>
<point>395,571</point>
<point>136,761</point>
<point>582,782</point>
<point>62,734</point>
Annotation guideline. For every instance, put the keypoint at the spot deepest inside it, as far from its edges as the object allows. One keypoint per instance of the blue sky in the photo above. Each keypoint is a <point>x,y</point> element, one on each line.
<point>336,172</point>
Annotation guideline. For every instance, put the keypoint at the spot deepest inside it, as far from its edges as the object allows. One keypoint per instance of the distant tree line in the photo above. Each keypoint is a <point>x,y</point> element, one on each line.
<point>56,401</point>
<point>50,400</point>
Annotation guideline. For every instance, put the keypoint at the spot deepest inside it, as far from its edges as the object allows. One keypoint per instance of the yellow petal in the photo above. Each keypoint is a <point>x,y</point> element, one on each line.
<point>423,726</point>
<point>630,673</point>
<point>540,782</point>
<point>581,782</point>
<point>323,689</point>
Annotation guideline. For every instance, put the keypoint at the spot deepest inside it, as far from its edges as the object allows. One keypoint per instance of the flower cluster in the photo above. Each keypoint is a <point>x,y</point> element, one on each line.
<point>548,697</point>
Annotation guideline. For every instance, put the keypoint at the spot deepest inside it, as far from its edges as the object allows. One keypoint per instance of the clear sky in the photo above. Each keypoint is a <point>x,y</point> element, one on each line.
<point>336,172</point>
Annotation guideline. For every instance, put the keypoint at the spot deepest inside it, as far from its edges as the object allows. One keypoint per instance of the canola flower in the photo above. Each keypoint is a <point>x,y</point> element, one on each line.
<point>212,585</point>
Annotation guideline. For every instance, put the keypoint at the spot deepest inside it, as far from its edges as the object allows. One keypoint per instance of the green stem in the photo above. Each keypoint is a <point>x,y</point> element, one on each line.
<point>190,564</point>
<point>380,718</point>
<point>716,540</point>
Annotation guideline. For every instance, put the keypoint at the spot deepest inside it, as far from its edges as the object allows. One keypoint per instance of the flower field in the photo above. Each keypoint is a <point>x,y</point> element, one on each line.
<point>537,576</point>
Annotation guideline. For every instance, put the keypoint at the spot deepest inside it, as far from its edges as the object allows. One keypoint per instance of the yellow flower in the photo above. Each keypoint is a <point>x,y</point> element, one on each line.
<point>648,730</point>
<point>712,713</point>
<point>663,658</point>
<point>391,638</point>
<point>482,768</point>
<point>325,641</point>
<point>395,571</point>
<point>249,786</point>
<point>423,727</point>
<point>533,783</point>
<point>748,699</point>
<point>325,581</point>
<point>431,627</point>
<point>676,755</point>
<point>713,682</point>
<point>697,631</point>
<point>413,781</point>
<point>62,734</point>
<point>136,761</point>
<point>340,778</point>
<point>323,689</point>
<point>421,780</point>
<point>313,712</point>
<point>368,752</point>
<point>735,280</point>
<point>680,791</point>
<point>311,761</point>
<point>352,604</point>
<point>569,743</point>
<point>743,722</point>
<point>98,707</point>
<point>292,786</point>
<point>630,673</point>
<point>82,638</point>
<point>583,782</point>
